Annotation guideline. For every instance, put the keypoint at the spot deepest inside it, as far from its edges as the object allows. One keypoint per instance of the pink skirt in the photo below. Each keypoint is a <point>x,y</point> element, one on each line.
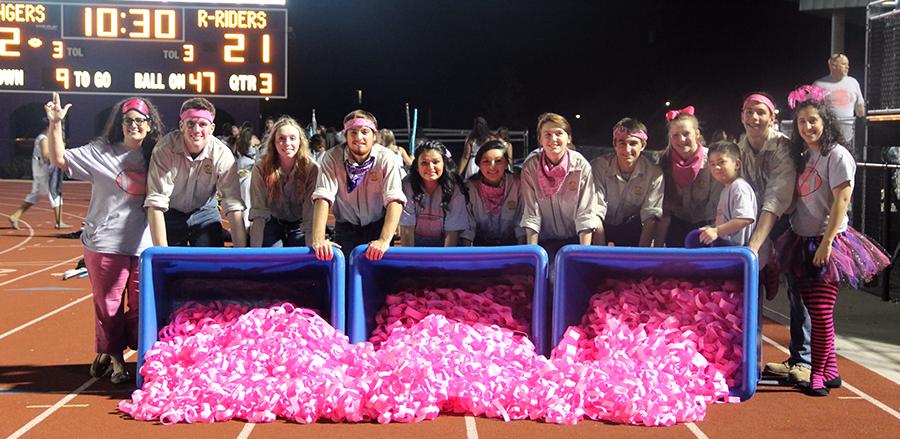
<point>854,258</point>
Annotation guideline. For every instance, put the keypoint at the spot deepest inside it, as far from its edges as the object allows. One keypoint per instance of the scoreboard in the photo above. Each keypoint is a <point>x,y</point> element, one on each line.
<point>143,48</point>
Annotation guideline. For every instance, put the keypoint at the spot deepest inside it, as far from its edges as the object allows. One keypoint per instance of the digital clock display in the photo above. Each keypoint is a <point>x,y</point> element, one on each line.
<point>143,49</point>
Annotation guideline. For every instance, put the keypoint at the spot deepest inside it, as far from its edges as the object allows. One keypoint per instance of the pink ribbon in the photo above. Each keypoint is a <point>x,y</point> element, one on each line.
<point>805,93</point>
<point>672,114</point>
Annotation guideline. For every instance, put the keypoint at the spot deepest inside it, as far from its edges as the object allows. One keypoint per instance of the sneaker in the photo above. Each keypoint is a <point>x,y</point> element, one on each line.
<point>834,383</point>
<point>798,374</point>
<point>806,389</point>
<point>778,370</point>
<point>101,366</point>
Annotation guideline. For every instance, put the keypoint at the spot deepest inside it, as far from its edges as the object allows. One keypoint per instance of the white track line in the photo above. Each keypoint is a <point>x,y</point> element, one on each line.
<point>25,241</point>
<point>49,314</point>
<point>46,413</point>
<point>699,434</point>
<point>245,432</point>
<point>44,406</point>
<point>471,431</point>
<point>846,385</point>
<point>67,261</point>
<point>59,404</point>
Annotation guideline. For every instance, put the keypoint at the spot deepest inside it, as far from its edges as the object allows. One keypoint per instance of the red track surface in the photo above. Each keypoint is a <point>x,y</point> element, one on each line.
<point>45,389</point>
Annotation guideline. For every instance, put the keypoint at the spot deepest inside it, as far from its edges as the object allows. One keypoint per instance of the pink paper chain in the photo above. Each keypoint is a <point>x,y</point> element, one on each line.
<point>219,362</point>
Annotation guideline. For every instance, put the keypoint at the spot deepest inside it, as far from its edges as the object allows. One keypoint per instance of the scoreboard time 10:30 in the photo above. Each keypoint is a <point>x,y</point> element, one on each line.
<point>135,49</point>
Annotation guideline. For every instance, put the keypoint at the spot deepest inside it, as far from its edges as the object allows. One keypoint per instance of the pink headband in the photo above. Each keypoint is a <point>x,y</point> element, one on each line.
<point>136,105</point>
<point>623,133</point>
<point>197,113</point>
<point>805,93</point>
<point>756,97</point>
<point>359,122</point>
<point>672,114</point>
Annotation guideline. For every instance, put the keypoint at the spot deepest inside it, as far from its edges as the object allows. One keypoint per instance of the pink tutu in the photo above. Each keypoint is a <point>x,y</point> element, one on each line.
<point>854,257</point>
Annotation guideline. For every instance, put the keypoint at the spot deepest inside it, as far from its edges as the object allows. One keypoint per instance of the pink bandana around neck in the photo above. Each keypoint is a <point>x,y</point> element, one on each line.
<point>359,122</point>
<point>197,113</point>
<point>492,196</point>
<point>550,176</point>
<point>684,172</point>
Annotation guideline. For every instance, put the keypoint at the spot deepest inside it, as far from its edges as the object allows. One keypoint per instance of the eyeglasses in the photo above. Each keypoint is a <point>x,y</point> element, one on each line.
<point>127,121</point>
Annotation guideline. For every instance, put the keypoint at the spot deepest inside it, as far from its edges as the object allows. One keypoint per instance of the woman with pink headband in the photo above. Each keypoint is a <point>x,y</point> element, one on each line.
<point>360,179</point>
<point>115,231</point>
<point>188,167</point>
<point>692,193</point>
<point>767,164</point>
<point>559,201</point>
<point>629,189</point>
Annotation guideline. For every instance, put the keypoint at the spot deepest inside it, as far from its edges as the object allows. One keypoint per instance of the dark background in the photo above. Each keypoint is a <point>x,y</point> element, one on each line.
<point>512,60</point>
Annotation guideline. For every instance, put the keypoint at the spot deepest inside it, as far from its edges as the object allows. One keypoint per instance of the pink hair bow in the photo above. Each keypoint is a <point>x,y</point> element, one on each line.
<point>805,93</point>
<point>672,114</point>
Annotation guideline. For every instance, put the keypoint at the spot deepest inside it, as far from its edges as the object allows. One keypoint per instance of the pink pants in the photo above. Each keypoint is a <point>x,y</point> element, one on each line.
<point>114,280</point>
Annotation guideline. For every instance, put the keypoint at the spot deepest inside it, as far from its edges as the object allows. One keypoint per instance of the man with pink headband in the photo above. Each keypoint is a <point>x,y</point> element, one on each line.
<point>629,189</point>
<point>767,164</point>
<point>361,181</point>
<point>187,168</point>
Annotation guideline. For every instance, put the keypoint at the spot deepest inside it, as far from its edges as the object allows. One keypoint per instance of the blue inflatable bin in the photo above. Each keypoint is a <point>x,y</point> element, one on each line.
<point>469,268</point>
<point>173,276</point>
<point>580,270</point>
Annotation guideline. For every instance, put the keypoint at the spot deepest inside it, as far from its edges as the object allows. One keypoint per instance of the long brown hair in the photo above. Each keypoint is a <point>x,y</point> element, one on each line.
<point>271,168</point>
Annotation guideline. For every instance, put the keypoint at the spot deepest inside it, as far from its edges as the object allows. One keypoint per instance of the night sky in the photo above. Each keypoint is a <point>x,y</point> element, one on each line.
<point>511,60</point>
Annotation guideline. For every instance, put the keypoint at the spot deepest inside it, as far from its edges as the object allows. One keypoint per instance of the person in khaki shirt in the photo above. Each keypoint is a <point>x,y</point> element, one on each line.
<point>559,201</point>
<point>361,181</point>
<point>188,166</point>
<point>769,167</point>
<point>495,209</point>
<point>629,189</point>
<point>281,186</point>
<point>692,194</point>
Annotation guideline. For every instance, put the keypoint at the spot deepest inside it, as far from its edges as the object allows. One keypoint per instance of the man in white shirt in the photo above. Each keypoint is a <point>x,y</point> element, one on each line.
<point>844,94</point>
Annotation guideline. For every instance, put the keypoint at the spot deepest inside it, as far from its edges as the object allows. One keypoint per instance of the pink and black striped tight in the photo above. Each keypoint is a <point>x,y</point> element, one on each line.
<point>819,297</point>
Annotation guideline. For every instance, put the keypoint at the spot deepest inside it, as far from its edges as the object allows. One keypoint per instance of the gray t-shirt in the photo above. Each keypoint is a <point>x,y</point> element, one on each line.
<point>429,219</point>
<point>116,221</point>
<point>843,97</point>
<point>814,190</point>
<point>737,200</point>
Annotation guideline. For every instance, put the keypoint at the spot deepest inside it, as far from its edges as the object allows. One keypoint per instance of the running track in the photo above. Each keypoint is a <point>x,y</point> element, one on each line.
<point>46,345</point>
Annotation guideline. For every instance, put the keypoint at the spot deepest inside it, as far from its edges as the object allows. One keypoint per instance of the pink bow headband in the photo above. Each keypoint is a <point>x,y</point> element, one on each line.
<point>623,133</point>
<point>761,99</point>
<point>805,93</point>
<point>359,122</point>
<point>137,105</point>
<point>672,114</point>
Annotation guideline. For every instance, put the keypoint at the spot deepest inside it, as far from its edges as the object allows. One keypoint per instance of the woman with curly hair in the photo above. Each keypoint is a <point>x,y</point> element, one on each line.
<point>435,212</point>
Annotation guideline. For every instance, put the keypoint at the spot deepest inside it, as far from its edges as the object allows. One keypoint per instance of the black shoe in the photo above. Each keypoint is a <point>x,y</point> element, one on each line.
<point>809,390</point>
<point>122,377</point>
<point>834,383</point>
<point>101,366</point>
